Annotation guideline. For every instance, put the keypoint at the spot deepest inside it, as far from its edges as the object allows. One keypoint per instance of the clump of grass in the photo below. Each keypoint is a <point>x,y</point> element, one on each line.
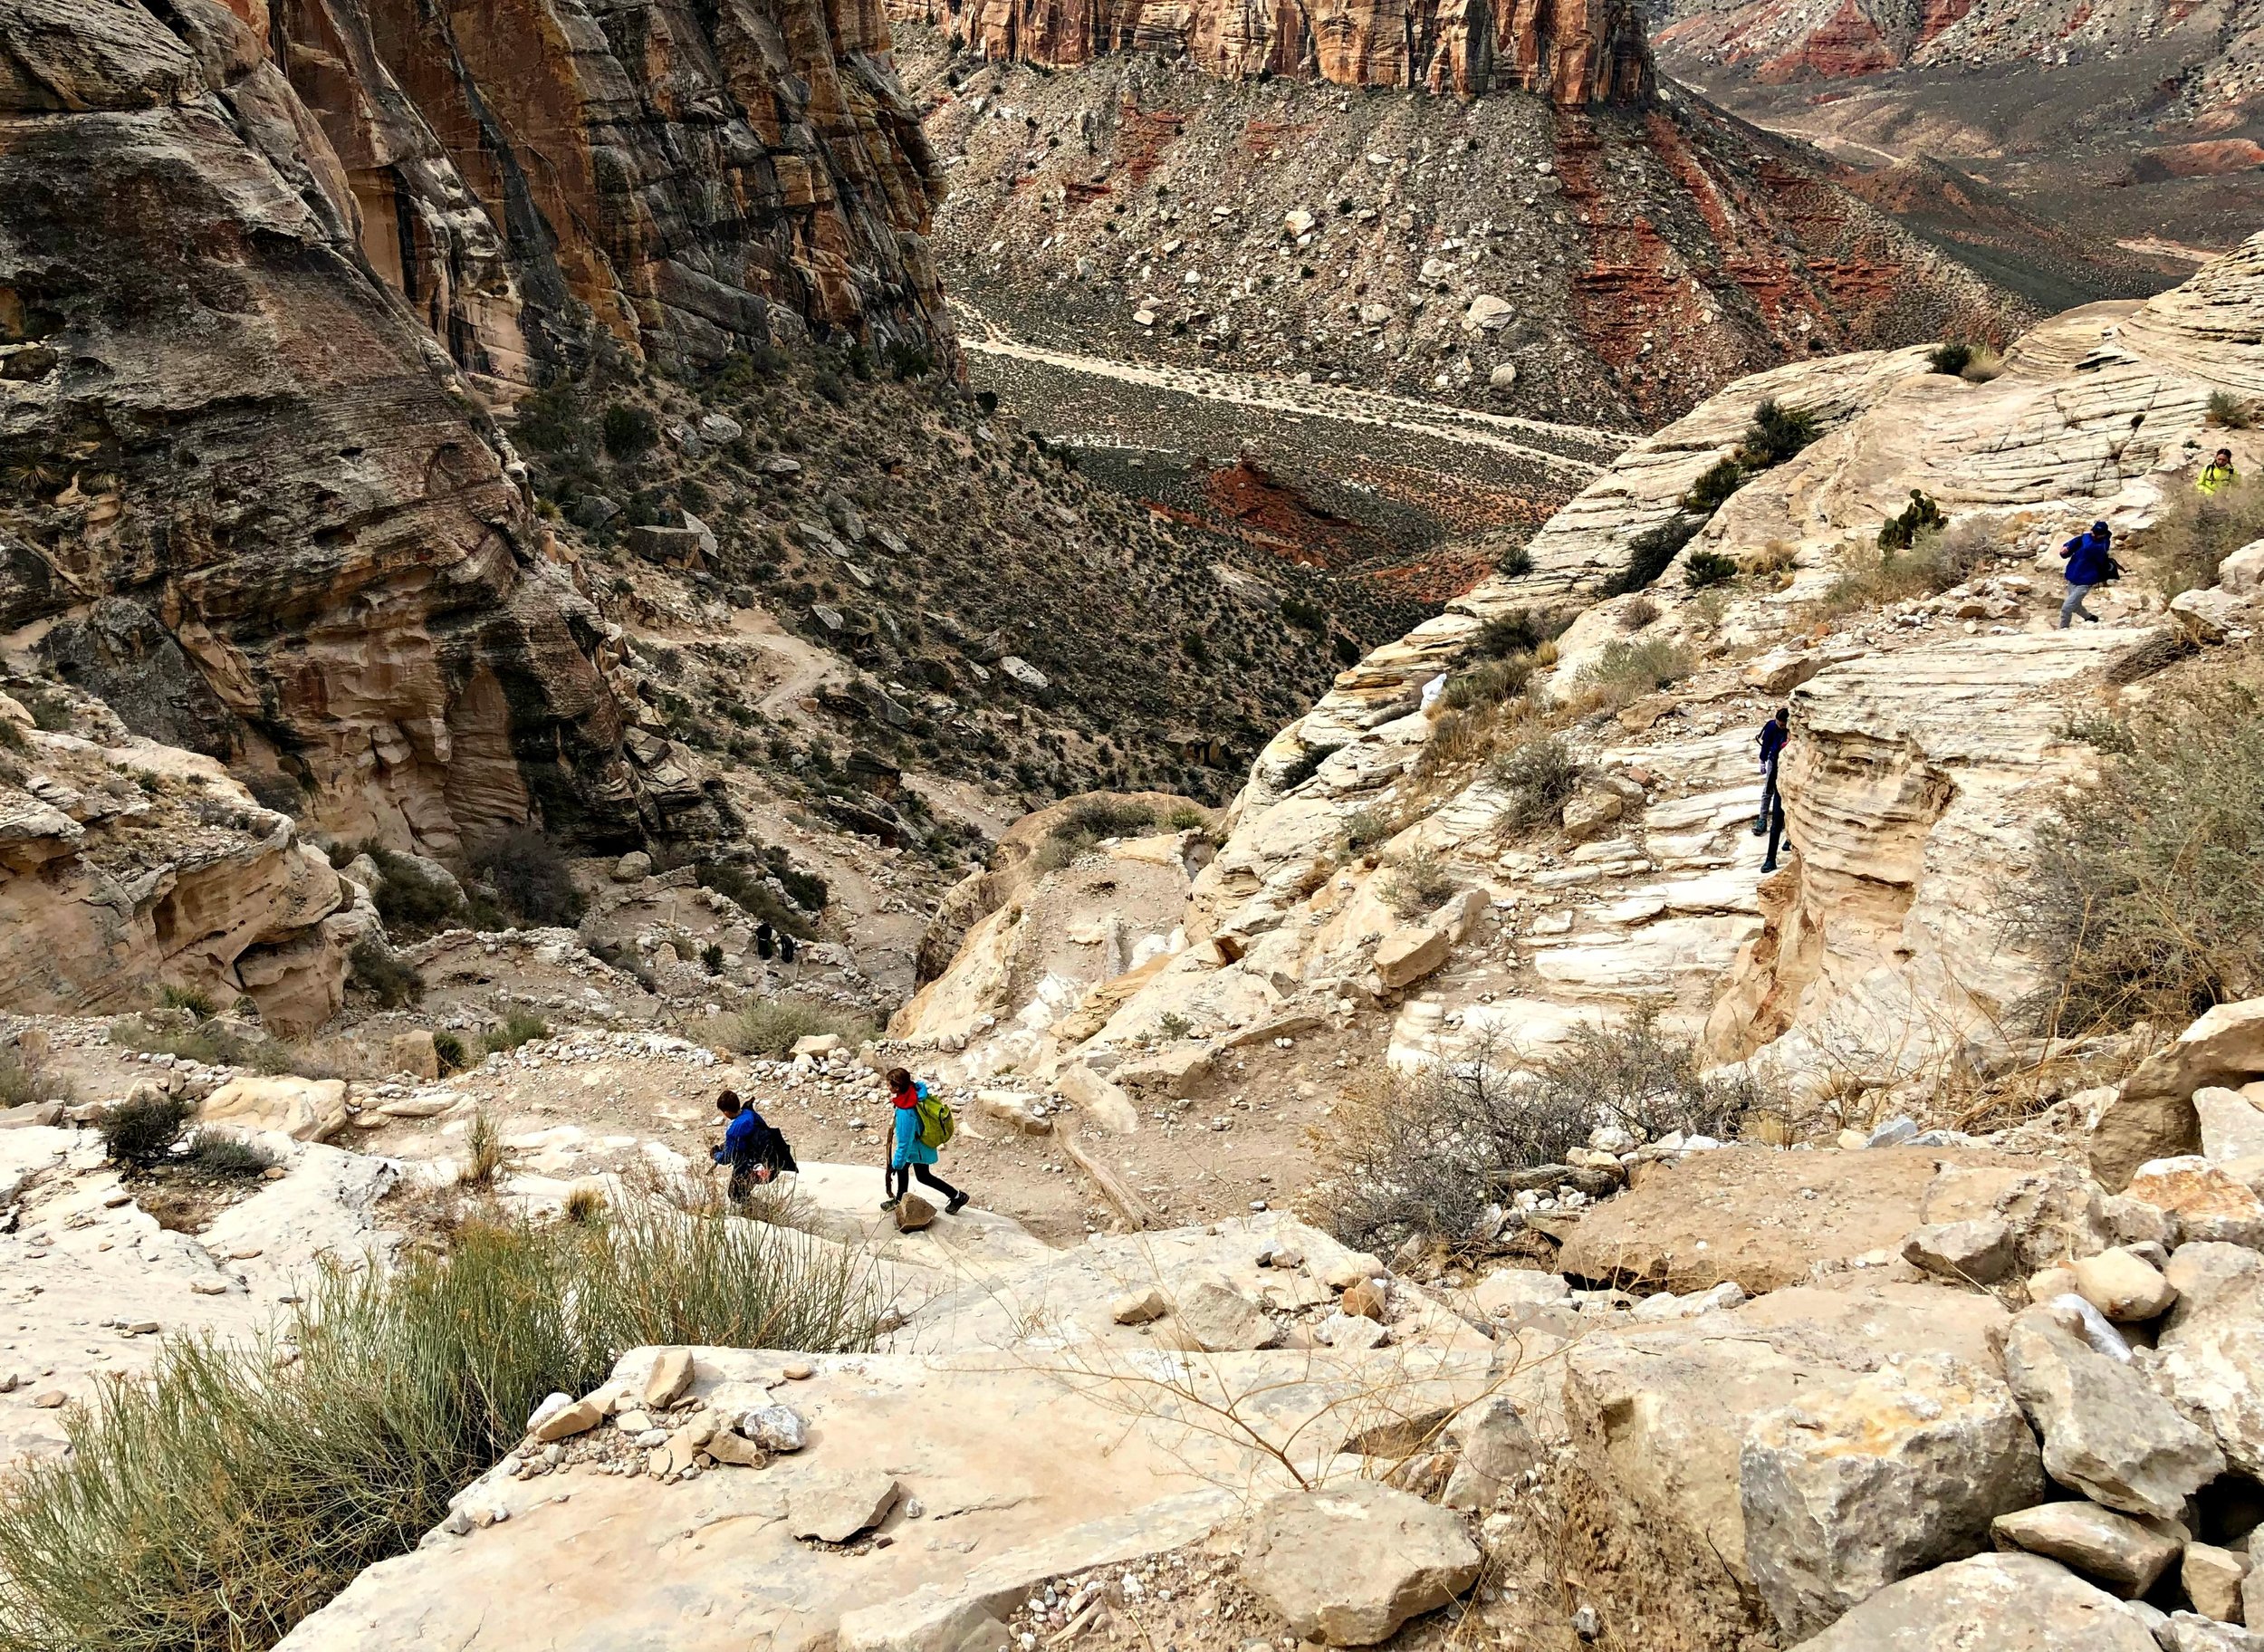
<point>1489,682</point>
<point>1187,817</point>
<point>219,1502</point>
<point>1538,776</point>
<point>1626,671</point>
<point>1951,356</point>
<point>1706,568</point>
<point>1938,560</point>
<point>2101,731</point>
<point>1500,636</point>
<point>410,901</point>
<point>197,1002</point>
<point>1715,487</point>
<point>453,1056</point>
<point>770,1026</point>
<point>1417,882</point>
<point>226,1158</point>
<point>2146,899</point>
<point>486,1157</point>
<point>1085,823</point>
<point>1776,557</point>
<point>141,1129</point>
<point>517,1027</point>
<point>1637,614</point>
<point>1364,829</point>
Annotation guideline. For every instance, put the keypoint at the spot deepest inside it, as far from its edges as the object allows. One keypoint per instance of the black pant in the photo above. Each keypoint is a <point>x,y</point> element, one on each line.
<point>1776,827</point>
<point>1768,792</point>
<point>900,1181</point>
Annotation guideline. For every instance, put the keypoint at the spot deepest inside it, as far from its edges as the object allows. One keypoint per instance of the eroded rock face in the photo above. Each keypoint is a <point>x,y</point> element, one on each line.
<point>254,278</point>
<point>1579,52</point>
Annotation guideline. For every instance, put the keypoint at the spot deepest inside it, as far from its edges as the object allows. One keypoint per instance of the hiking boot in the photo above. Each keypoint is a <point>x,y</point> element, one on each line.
<point>887,1204</point>
<point>957,1200</point>
<point>1769,866</point>
<point>1760,828</point>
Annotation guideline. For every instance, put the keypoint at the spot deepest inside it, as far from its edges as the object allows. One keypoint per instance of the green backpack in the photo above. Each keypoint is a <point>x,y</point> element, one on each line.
<point>937,1124</point>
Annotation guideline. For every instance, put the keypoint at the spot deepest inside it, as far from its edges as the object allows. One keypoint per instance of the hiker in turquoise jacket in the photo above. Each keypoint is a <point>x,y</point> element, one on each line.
<point>908,1156</point>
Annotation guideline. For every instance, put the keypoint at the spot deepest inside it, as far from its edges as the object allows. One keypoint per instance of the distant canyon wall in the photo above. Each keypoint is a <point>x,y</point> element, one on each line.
<point>1576,51</point>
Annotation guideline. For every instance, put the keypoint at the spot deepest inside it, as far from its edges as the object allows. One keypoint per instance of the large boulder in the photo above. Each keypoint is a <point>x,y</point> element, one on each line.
<point>1991,1603</point>
<point>2210,1356</point>
<point>1844,1491</point>
<point>2231,1121</point>
<point>305,1110</point>
<point>1097,1098</point>
<point>2111,1550</point>
<point>2152,1115</point>
<point>1215,1318</point>
<point>2107,1433</point>
<point>2208,1200</point>
<point>1349,1564</point>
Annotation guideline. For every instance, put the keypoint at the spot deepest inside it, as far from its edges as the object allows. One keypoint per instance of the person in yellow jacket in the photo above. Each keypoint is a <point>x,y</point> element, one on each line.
<point>2218,472</point>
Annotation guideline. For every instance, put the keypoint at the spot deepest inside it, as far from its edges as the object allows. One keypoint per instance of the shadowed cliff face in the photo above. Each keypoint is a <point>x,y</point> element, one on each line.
<point>252,271</point>
<point>1579,52</point>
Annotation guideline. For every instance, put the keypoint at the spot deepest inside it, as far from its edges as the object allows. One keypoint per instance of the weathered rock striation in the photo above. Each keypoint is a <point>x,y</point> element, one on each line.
<point>1576,51</point>
<point>259,271</point>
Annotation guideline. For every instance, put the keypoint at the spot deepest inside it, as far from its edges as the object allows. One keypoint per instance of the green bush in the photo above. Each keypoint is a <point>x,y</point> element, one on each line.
<point>2146,900</point>
<point>1501,636</point>
<point>2232,412</point>
<point>141,1129</point>
<point>449,1048</point>
<point>1364,829</point>
<point>756,897</point>
<point>375,969</point>
<point>411,902</point>
<point>770,1026</point>
<point>1714,488</point>
<point>1650,552</point>
<point>213,1506</point>
<point>1705,568</point>
<point>1625,671</point>
<point>195,1001</point>
<point>1775,434</point>
<point>1515,562</point>
<point>1952,355</point>
<point>1417,882</point>
<point>230,1157</point>
<point>1489,682</point>
<point>629,432</point>
<point>1538,777</point>
<point>19,1086</point>
<point>532,876</point>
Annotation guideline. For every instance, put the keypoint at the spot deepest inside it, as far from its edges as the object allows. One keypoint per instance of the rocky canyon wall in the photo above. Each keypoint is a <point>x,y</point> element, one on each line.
<point>260,271</point>
<point>1577,52</point>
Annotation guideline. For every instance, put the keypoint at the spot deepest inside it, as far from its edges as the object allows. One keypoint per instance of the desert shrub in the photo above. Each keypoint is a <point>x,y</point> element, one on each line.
<point>629,432</point>
<point>1899,533</point>
<point>1303,767</point>
<point>2146,899</point>
<point>1713,487</point>
<point>195,1000</point>
<point>1424,1157</point>
<point>1987,363</point>
<point>712,958</point>
<point>211,1507</point>
<point>906,360</point>
<point>1951,356</point>
<point>2196,534</point>
<point>1515,562</point>
<point>485,1157</point>
<point>141,1129</point>
<point>2101,731</point>
<point>770,1026</point>
<point>1625,671</point>
<point>409,900</point>
<point>1637,614</point>
<point>1501,636</point>
<point>754,895</point>
<point>1364,829</point>
<point>1095,818</point>
<point>1706,568</point>
<point>1489,682</point>
<point>1650,551</point>
<point>532,876</point>
<point>1537,776</point>
<point>519,1027</point>
<point>19,1085</point>
<point>1459,736</point>
<point>1776,434</point>
<point>1417,882</point>
<point>381,973</point>
<point>2232,412</point>
<point>1938,560</point>
<point>217,1153</point>
<point>1777,556</point>
<point>1187,817</point>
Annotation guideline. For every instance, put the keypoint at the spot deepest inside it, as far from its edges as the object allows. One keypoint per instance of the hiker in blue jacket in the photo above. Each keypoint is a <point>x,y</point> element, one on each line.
<point>753,1147</point>
<point>1773,735</point>
<point>2090,563</point>
<point>908,1156</point>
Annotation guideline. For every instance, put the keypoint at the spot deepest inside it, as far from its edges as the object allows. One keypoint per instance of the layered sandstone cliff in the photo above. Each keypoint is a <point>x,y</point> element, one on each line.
<point>258,273</point>
<point>1577,52</point>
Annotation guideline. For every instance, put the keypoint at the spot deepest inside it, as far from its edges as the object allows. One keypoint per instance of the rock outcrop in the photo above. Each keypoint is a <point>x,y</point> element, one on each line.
<point>1576,51</point>
<point>129,868</point>
<point>259,272</point>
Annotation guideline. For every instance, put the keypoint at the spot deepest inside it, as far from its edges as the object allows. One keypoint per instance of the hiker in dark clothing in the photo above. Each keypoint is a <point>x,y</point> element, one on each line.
<point>908,1156</point>
<point>2090,565</point>
<point>766,939</point>
<point>786,945</point>
<point>1776,829</point>
<point>1773,735</point>
<point>753,1147</point>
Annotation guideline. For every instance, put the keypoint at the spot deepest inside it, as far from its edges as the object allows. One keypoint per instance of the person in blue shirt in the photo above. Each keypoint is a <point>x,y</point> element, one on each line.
<point>1773,735</point>
<point>908,1156</point>
<point>2090,561</point>
<point>753,1147</point>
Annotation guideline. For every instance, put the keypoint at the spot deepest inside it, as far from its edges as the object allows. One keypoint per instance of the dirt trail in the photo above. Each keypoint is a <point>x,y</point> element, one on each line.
<point>1591,446</point>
